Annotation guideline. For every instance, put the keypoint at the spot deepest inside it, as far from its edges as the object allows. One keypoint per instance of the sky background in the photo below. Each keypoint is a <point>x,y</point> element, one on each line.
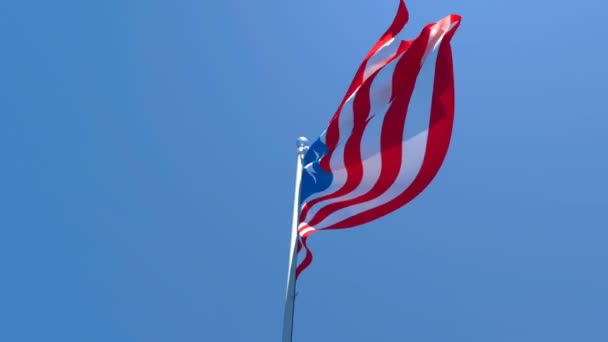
<point>148,158</point>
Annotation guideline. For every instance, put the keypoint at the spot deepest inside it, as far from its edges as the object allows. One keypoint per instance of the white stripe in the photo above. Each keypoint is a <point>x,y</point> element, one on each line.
<point>438,31</point>
<point>306,230</point>
<point>386,52</point>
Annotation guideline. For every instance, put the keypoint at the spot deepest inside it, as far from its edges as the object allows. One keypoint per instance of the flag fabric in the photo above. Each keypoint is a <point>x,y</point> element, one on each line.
<point>388,137</point>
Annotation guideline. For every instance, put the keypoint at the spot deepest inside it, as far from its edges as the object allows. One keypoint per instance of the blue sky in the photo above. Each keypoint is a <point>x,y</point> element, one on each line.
<point>149,158</point>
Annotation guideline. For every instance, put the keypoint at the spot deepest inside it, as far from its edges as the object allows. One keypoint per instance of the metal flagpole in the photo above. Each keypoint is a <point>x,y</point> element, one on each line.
<point>290,296</point>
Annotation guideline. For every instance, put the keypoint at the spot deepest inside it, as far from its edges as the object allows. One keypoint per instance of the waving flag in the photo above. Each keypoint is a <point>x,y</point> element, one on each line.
<point>389,136</point>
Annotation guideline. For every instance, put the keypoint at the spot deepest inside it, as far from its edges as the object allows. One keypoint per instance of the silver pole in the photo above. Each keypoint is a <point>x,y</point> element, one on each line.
<point>290,296</point>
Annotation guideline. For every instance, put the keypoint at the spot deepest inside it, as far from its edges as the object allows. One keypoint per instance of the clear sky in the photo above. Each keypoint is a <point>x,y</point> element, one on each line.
<point>148,155</point>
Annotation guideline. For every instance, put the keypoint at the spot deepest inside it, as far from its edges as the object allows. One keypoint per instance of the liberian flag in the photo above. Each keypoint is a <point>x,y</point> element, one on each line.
<point>389,136</point>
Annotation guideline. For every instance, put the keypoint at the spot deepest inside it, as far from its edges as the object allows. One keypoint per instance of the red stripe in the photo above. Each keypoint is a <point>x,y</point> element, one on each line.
<point>440,131</point>
<point>393,125</point>
<point>333,131</point>
<point>307,257</point>
<point>397,25</point>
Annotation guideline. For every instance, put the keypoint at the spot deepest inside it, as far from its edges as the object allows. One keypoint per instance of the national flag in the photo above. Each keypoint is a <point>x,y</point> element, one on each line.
<point>388,137</point>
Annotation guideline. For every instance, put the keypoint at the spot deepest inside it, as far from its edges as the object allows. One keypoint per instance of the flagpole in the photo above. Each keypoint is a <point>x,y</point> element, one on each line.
<point>290,296</point>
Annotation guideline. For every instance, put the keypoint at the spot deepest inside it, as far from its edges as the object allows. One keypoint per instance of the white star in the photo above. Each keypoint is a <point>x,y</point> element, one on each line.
<point>311,171</point>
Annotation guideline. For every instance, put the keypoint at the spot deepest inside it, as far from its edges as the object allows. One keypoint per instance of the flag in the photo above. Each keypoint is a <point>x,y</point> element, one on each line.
<point>388,137</point>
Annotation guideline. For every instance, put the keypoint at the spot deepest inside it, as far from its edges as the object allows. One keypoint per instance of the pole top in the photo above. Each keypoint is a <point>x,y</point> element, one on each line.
<point>302,144</point>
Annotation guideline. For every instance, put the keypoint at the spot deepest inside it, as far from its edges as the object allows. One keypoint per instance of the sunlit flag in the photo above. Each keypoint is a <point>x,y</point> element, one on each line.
<point>389,136</point>
<point>383,146</point>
